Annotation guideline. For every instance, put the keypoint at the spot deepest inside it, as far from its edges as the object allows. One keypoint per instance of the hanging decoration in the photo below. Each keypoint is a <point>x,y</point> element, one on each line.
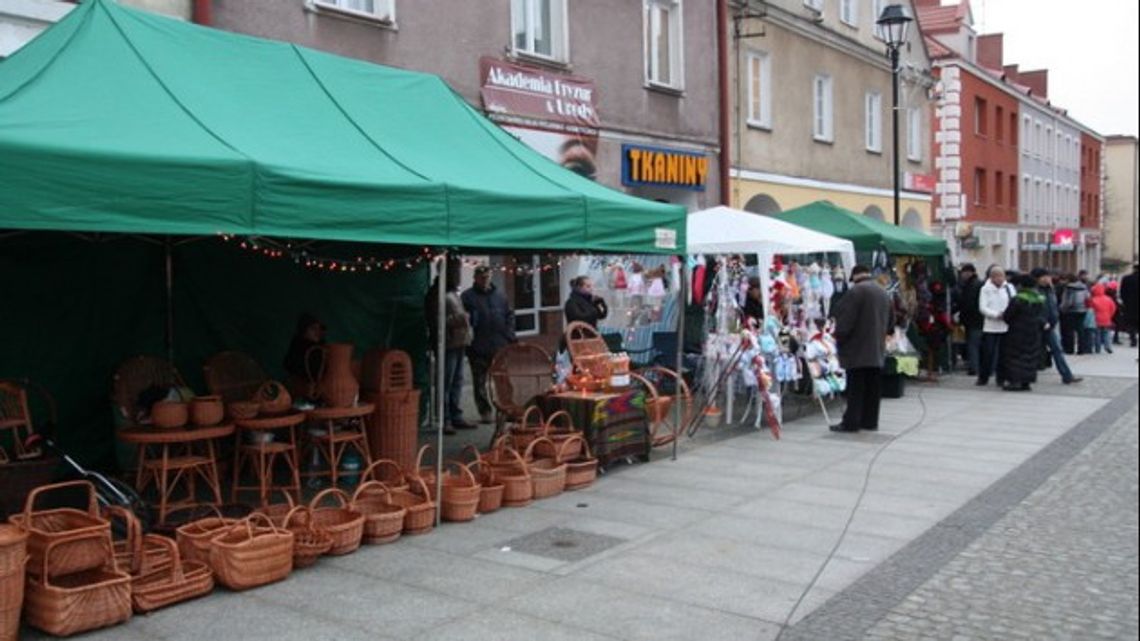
<point>301,254</point>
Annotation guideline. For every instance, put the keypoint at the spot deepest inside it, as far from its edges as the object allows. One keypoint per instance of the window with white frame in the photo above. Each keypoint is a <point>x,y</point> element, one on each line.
<point>876,11</point>
<point>822,109</point>
<point>914,134</point>
<point>539,28</point>
<point>759,89</point>
<point>1026,136</point>
<point>382,10</point>
<point>534,290</point>
<point>1048,147</point>
<point>663,44</point>
<point>1027,195</point>
<point>1047,203</point>
<point>849,12</point>
<point>873,121</point>
<point>1038,140</point>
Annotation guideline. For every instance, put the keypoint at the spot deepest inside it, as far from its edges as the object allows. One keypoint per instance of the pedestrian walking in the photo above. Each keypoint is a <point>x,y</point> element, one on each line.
<point>457,336</point>
<point>493,327</point>
<point>969,316</point>
<point>1103,309</point>
<point>1130,301</point>
<point>1021,350</point>
<point>1051,336</point>
<point>1074,308</point>
<point>862,322</point>
<point>992,303</point>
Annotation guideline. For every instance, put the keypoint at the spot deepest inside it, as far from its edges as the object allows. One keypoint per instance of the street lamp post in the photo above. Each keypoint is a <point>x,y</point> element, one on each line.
<point>895,21</point>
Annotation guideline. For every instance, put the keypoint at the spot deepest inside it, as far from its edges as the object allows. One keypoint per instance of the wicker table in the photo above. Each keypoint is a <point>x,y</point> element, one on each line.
<point>344,428</point>
<point>265,451</point>
<point>183,455</point>
<point>614,423</point>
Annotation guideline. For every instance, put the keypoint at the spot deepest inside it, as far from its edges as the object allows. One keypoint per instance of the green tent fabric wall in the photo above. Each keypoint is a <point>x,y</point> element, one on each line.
<point>119,120</point>
<point>867,234</point>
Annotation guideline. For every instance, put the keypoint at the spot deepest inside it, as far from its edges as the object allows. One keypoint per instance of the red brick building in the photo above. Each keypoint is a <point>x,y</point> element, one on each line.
<point>1092,201</point>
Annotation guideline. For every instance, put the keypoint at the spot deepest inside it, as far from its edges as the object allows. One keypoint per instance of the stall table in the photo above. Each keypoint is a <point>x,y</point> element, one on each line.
<point>264,450</point>
<point>614,423</point>
<point>183,454</point>
<point>343,428</point>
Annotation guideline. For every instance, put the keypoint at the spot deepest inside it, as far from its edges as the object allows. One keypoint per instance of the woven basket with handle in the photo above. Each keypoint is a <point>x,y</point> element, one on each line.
<point>177,581</point>
<point>344,524</point>
<point>78,601</point>
<point>251,553</point>
<point>309,543</point>
<point>420,515</point>
<point>77,552</point>
<point>548,475</point>
<point>508,467</point>
<point>194,537</point>
<point>491,489</point>
<point>383,521</point>
<point>581,468</point>
<point>461,494</point>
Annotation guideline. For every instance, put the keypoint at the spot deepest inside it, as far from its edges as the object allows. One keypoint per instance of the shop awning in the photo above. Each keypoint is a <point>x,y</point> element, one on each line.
<point>118,120</point>
<point>867,234</point>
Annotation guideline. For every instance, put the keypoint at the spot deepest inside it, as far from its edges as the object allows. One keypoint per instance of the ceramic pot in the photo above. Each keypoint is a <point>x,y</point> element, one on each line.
<point>206,410</point>
<point>336,383</point>
<point>169,414</point>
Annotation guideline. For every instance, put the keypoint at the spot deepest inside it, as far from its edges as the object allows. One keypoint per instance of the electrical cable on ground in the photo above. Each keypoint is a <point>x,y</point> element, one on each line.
<point>851,516</point>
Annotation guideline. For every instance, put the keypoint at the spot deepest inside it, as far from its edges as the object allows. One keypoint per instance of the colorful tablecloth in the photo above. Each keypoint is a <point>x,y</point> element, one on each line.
<point>614,425</point>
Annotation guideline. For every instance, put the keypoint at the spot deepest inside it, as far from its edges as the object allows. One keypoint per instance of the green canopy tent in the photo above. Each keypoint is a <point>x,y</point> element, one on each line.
<point>119,124</point>
<point>867,234</point>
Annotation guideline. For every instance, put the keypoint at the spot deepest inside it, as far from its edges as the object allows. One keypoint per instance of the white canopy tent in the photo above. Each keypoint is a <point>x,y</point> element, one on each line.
<point>723,230</point>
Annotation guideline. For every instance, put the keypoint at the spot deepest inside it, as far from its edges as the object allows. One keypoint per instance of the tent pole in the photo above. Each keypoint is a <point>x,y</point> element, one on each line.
<point>169,299</point>
<point>682,309</point>
<point>440,378</point>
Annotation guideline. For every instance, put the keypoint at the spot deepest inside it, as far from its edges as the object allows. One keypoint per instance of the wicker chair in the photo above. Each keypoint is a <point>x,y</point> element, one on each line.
<point>135,375</point>
<point>16,417</point>
<point>235,376</point>
<point>519,372</point>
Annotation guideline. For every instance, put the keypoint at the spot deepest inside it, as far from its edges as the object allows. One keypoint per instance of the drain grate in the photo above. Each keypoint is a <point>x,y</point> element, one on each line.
<point>563,544</point>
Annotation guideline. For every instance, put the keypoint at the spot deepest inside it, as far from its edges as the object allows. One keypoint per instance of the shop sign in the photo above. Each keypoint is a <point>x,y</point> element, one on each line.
<point>1063,239</point>
<point>515,90</point>
<point>924,183</point>
<point>658,167</point>
<point>666,238</point>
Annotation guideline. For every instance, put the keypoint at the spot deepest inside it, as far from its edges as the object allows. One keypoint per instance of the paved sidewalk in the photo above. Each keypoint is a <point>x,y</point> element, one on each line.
<point>720,544</point>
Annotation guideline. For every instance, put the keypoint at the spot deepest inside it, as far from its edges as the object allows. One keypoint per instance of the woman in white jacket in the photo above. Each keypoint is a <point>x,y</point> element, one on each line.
<point>992,303</point>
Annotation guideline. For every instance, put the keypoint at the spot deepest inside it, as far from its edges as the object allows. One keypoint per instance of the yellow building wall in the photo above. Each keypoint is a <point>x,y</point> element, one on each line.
<point>791,196</point>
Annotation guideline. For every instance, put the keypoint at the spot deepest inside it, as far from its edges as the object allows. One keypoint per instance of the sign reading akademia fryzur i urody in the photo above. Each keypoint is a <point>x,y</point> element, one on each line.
<point>510,89</point>
<point>660,167</point>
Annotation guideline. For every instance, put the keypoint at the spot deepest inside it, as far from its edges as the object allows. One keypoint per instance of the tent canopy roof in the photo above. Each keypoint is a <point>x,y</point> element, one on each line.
<point>722,230</point>
<point>866,233</point>
<point>118,120</point>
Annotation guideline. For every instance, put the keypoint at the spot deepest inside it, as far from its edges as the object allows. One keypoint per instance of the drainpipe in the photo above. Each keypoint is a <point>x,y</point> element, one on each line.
<point>203,12</point>
<point>722,86</point>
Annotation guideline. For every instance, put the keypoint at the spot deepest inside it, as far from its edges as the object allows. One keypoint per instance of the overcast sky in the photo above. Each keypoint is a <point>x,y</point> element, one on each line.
<point>1091,48</point>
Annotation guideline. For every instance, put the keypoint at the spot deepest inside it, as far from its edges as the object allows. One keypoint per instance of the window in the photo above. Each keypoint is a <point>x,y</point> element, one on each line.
<point>914,134</point>
<point>535,290</point>
<point>759,89</point>
<point>1047,198</point>
<point>873,121</point>
<point>849,12</point>
<point>1026,136</point>
<point>822,110</point>
<point>382,10</point>
<point>1028,194</point>
<point>1047,149</point>
<point>981,118</point>
<point>539,28</point>
<point>663,43</point>
<point>1059,150</point>
<point>979,186</point>
<point>1058,200</point>
<point>1038,198</point>
<point>999,185</point>
<point>1013,190</point>
<point>999,123</point>
<point>1038,140</point>
<point>876,11</point>
<point>1013,129</point>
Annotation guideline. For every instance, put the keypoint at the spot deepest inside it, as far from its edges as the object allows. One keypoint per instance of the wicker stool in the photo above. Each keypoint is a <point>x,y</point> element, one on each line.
<point>262,456</point>
<point>344,428</point>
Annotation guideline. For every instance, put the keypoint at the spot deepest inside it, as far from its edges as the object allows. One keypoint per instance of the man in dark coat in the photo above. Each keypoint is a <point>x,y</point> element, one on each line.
<point>1021,350</point>
<point>493,324</point>
<point>969,289</point>
<point>1130,303</point>
<point>1051,338</point>
<point>861,326</point>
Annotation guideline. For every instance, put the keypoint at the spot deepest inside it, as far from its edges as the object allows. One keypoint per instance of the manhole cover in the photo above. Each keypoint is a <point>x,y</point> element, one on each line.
<point>563,544</point>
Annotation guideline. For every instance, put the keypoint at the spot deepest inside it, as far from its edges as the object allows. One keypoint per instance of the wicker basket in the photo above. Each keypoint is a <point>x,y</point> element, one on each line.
<point>582,468</point>
<point>135,553</point>
<point>240,410</point>
<point>273,398</point>
<point>251,553</point>
<point>309,543</point>
<point>507,466</point>
<point>383,521</point>
<point>558,436</point>
<point>80,601</point>
<point>13,543</point>
<point>278,511</point>
<point>461,492</point>
<point>425,472</point>
<point>548,475</point>
<point>388,472</point>
<point>530,426</point>
<point>342,523</point>
<point>177,581</point>
<point>80,552</point>
<point>194,537</point>
<point>420,515</point>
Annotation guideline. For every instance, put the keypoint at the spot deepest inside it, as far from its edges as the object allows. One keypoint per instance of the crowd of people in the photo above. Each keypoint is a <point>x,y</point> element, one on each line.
<point>1018,324</point>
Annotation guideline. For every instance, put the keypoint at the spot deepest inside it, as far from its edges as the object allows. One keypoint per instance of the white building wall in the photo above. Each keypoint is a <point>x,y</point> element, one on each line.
<point>1050,160</point>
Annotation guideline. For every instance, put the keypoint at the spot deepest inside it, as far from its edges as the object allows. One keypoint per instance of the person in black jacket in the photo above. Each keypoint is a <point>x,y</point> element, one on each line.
<point>493,324</point>
<point>1021,351</point>
<point>862,322</point>
<point>969,290</point>
<point>1052,335</point>
<point>1130,303</point>
<point>582,305</point>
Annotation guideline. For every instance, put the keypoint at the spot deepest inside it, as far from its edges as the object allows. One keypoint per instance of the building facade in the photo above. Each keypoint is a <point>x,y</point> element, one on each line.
<point>812,110</point>
<point>1121,206</point>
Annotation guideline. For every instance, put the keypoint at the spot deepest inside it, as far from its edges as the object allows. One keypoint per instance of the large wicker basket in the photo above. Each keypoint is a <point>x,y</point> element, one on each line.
<point>420,515</point>
<point>309,543</point>
<point>491,489</point>
<point>582,468</point>
<point>175,582</point>
<point>461,492</point>
<point>79,601</point>
<point>383,521</point>
<point>251,553</point>
<point>508,467</point>
<point>393,427</point>
<point>530,426</point>
<point>548,475</point>
<point>388,472</point>
<point>78,552</point>
<point>558,436</point>
<point>135,553</point>
<point>194,537</point>
<point>342,523</point>
<point>13,556</point>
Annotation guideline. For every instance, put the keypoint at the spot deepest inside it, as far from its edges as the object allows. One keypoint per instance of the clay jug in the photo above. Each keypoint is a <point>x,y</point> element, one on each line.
<point>335,382</point>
